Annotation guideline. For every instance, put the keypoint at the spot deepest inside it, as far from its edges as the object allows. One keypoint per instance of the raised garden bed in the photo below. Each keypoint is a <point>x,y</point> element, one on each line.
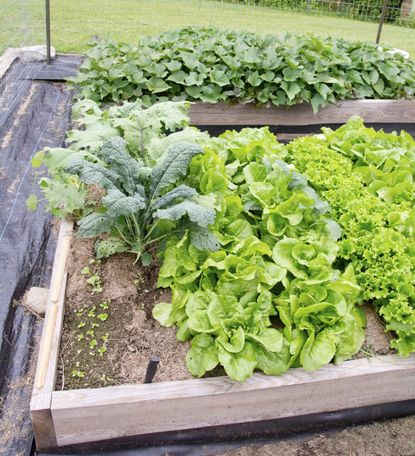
<point>62,418</point>
<point>71,417</point>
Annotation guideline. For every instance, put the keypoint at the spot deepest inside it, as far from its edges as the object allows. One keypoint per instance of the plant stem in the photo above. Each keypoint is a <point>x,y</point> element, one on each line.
<point>151,230</point>
<point>160,237</point>
<point>123,237</point>
<point>137,226</point>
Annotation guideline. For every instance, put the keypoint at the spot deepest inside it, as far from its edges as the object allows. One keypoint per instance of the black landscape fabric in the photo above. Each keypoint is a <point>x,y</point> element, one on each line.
<point>33,114</point>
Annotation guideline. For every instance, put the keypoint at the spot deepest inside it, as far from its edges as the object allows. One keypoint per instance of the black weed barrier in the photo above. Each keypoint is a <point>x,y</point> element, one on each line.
<point>34,113</point>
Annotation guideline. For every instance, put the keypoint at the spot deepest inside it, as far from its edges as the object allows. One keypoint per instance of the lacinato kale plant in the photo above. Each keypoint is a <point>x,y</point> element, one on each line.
<point>121,178</point>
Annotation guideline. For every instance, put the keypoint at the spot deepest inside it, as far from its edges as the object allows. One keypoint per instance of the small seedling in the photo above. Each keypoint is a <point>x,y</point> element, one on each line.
<point>86,271</point>
<point>91,312</point>
<point>77,373</point>
<point>102,350</point>
<point>104,305</point>
<point>102,316</point>
<point>95,282</point>
<point>93,343</point>
<point>80,312</point>
<point>93,279</point>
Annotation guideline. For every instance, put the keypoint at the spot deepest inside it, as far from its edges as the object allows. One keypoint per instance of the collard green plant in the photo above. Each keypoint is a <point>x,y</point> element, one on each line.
<point>269,298</point>
<point>367,176</point>
<point>211,65</point>
<point>147,132</point>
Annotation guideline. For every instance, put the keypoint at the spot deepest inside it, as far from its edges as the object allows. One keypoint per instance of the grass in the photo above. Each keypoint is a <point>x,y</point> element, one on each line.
<point>74,22</point>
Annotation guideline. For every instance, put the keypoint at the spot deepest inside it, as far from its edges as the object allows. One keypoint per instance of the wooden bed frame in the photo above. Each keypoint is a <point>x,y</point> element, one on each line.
<point>64,418</point>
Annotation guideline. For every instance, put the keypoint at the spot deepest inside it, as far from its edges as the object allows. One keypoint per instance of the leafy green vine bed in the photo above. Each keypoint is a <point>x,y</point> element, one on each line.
<point>212,65</point>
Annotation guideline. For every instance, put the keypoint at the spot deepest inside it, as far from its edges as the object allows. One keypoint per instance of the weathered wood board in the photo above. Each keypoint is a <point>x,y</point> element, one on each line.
<point>46,370</point>
<point>372,111</point>
<point>88,415</point>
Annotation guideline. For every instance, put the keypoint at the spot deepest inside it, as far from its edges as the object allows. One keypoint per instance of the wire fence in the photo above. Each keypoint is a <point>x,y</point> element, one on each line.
<point>22,23</point>
<point>75,22</point>
<point>398,12</point>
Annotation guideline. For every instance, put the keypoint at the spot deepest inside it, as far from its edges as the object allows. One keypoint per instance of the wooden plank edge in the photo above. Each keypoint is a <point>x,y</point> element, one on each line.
<point>46,370</point>
<point>120,394</point>
<point>54,308</point>
<point>42,421</point>
<point>372,111</point>
<point>82,416</point>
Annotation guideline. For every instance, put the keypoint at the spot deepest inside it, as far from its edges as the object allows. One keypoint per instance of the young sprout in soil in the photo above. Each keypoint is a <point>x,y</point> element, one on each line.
<point>89,337</point>
<point>104,305</point>
<point>91,312</point>
<point>93,343</point>
<point>92,279</point>
<point>77,372</point>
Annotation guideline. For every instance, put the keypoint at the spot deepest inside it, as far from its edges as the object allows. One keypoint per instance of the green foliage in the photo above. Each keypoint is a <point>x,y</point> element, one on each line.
<point>365,10</point>
<point>368,179</point>
<point>269,298</point>
<point>136,209</point>
<point>212,65</point>
<point>121,177</point>
<point>147,132</point>
<point>407,21</point>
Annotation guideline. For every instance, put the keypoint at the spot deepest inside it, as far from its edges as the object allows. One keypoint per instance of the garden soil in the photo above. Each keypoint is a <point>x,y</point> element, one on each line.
<point>129,333</point>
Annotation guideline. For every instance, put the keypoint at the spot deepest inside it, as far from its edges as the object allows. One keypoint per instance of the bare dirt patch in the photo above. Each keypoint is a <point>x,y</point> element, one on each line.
<point>109,335</point>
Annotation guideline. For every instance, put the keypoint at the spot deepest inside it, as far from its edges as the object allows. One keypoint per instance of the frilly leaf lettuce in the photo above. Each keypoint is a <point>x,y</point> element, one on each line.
<point>367,176</point>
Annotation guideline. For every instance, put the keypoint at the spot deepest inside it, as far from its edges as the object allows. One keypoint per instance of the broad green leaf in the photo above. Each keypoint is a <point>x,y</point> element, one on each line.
<point>238,366</point>
<point>318,350</point>
<point>202,356</point>
<point>162,313</point>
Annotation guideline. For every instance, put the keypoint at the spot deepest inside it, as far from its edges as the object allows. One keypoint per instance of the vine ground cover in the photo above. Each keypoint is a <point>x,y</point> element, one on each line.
<point>212,65</point>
